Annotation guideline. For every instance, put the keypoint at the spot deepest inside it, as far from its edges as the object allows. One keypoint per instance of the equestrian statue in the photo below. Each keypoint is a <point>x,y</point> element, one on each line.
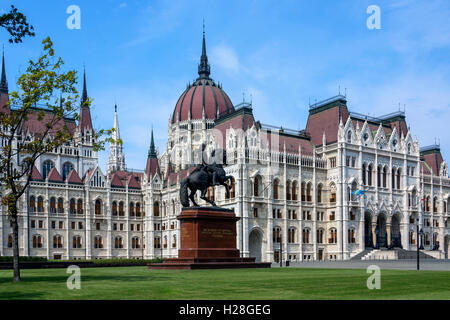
<point>201,178</point>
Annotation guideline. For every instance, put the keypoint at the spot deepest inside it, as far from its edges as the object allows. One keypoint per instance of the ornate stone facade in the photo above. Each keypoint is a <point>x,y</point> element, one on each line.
<point>294,190</point>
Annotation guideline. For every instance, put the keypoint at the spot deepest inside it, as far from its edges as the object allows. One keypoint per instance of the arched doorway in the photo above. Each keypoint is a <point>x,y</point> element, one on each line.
<point>396,238</point>
<point>255,244</point>
<point>368,241</point>
<point>380,231</point>
<point>446,246</point>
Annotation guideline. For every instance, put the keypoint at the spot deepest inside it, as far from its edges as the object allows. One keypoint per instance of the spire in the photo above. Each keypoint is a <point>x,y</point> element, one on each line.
<point>85,113</point>
<point>152,150</point>
<point>84,97</point>
<point>116,160</point>
<point>3,81</point>
<point>203,67</point>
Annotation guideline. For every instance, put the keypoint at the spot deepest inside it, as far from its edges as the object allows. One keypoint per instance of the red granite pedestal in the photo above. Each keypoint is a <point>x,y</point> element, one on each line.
<point>208,241</point>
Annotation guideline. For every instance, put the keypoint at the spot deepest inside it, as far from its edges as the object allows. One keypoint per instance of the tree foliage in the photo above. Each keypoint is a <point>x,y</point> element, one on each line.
<point>16,24</point>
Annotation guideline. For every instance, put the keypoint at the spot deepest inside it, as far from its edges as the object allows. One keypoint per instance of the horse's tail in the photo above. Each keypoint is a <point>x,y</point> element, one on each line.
<point>184,199</point>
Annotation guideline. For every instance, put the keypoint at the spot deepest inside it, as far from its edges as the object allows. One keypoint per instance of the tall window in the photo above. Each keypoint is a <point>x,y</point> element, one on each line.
<point>275,189</point>
<point>295,190</point>
<point>121,210</point>
<point>333,236</point>
<point>369,175</point>
<point>98,242</point>
<point>384,177</point>
<point>10,241</point>
<point>57,242</point>
<point>319,235</point>
<point>40,204</point>
<point>291,235</point>
<point>32,204</point>
<point>135,244</point>
<point>80,206</point>
<point>157,242</point>
<point>174,241</point>
<point>351,236</point>
<point>76,242</point>
<point>156,209</point>
<point>288,190</point>
<point>364,171</point>
<point>306,235</point>
<point>52,205</point>
<point>276,234</point>
<point>37,241</point>
<point>98,207</point>
<point>302,191</point>
<point>46,167</point>
<point>118,243</point>
<point>60,205</point>
<point>399,178</point>
<point>72,209</point>
<point>319,193</point>
<point>233,189</point>
<point>256,186</point>
<point>131,209</point>
<point>308,192</point>
<point>138,209</point>
<point>67,167</point>
<point>114,208</point>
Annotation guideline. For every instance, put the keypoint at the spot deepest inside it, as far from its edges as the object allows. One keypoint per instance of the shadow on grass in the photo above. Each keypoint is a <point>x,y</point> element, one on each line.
<point>15,295</point>
<point>63,278</point>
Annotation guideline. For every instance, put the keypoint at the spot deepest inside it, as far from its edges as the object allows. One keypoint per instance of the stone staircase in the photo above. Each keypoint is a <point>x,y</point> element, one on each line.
<point>394,254</point>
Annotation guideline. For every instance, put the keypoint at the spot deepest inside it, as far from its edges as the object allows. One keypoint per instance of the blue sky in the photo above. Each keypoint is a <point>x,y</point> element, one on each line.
<point>140,55</point>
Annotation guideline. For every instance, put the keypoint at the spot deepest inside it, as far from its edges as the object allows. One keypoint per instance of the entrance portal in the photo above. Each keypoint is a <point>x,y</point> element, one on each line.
<point>255,244</point>
<point>381,231</point>
<point>396,238</point>
<point>368,230</point>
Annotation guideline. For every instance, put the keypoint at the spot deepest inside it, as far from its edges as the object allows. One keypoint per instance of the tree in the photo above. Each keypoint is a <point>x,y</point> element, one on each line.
<point>44,83</point>
<point>16,24</point>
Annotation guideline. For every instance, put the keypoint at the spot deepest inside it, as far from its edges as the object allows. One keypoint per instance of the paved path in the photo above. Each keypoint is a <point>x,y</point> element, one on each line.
<point>437,265</point>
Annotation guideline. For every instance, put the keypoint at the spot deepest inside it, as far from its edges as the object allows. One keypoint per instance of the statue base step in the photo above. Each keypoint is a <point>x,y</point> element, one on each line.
<point>208,241</point>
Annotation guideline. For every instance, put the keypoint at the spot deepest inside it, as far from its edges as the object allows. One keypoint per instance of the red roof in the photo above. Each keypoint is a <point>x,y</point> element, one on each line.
<point>119,178</point>
<point>4,106</point>
<point>204,93</point>
<point>73,177</point>
<point>54,176</point>
<point>239,120</point>
<point>37,127</point>
<point>434,161</point>
<point>152,167</point>
<point>85,119</point>
<point>35,174</point>
<point>326,121</point>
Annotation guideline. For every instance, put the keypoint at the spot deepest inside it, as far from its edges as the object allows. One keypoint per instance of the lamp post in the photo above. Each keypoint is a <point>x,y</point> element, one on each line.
<point>281,250</point>
<point>419,247</point>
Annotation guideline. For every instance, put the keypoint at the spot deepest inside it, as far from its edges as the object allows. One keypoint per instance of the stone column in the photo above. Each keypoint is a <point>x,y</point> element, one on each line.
<point>374,235</point>
<point>388,233</point>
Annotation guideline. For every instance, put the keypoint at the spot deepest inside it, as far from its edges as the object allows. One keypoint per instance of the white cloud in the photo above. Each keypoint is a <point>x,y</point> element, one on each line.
<point>226,58</point>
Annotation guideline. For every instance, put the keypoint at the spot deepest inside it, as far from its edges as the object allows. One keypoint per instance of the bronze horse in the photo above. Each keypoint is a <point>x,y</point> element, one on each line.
<point>203,177</point>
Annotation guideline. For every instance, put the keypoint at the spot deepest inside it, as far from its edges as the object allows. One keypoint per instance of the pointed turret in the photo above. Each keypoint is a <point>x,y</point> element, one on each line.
<point>203,67</point>
<point>85,113</point>
<point>152,166</point>
<point>152,150</point>
<point>4,97</point>
<point>3,81</point>
<point>116,160</point>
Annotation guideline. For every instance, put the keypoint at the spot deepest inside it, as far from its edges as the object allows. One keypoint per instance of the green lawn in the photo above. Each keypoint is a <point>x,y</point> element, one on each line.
<point>276,283</point>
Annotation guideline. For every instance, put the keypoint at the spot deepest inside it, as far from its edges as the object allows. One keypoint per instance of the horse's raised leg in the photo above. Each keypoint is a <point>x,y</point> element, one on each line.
<point>227,189</point>
<point>203,196</point>
<point>191,196</point>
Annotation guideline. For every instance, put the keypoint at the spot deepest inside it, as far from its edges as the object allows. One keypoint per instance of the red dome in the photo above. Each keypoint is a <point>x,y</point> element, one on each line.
<point>205,95</point>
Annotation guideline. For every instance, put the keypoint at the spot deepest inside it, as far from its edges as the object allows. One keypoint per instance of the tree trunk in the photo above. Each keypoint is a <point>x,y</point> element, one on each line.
<point>15,227</point>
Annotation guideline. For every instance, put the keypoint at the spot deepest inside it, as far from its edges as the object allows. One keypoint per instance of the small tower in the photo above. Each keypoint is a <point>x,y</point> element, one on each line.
<point>152,167</point>
<point>4,98</point>
<point>116,160</point>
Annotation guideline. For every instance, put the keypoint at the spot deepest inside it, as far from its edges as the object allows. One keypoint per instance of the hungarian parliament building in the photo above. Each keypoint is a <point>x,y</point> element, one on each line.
<point>346,187</point>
